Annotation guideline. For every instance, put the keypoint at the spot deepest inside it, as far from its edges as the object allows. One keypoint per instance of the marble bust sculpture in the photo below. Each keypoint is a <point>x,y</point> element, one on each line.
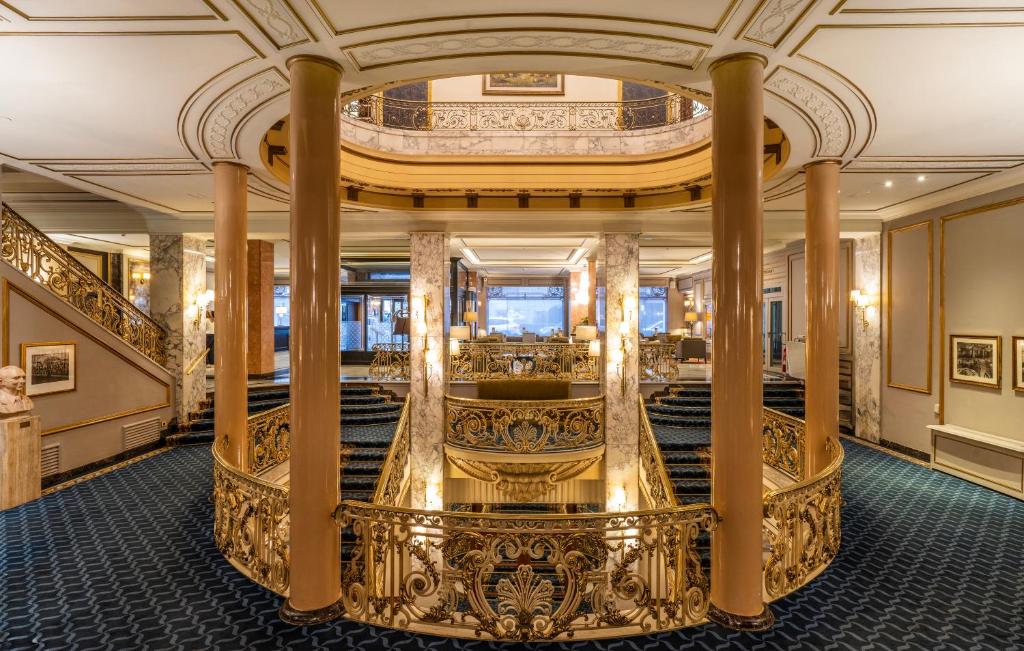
<point>12,391</point>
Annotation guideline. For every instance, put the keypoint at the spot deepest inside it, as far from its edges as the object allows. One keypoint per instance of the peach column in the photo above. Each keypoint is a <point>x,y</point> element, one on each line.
<point>592,306</point>
<point>313,145</point>
<point>737,143</point>
<point>823,301</point>
<point>230,224</point>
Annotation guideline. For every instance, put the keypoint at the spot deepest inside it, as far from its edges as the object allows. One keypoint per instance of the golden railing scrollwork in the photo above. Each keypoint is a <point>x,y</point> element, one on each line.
<point>525,578</point>
<point>524,427</point>
<point>251,525</point>
<point>782,443</point>
<point>482,361</point>
<point>658,362</point>
<point>525,116</point>
<point>42,260</point>
<point>390,362</point>
<point>269,439</point>
<point>802,526</point>
<point>394,475</point>
<point>654,479</point>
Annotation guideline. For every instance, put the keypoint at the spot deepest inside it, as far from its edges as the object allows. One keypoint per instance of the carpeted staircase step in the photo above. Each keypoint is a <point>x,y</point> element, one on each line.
<point>360,467</point>
<point>695,487</point>
<point>381,408</point>
<point>353,420</point>
<point>363,399</point>
<point>690,411</point>
<point>190,438</point>
<point>695,471</point>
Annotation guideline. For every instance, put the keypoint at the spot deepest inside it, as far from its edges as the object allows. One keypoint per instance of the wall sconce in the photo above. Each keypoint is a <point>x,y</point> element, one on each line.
<point>617,499</point>
<point>432,500</point>
<point>627,308</point>
<point>141,276</point>
<point>866,304</point>
<point>202,301</point>
<point>418,308</point>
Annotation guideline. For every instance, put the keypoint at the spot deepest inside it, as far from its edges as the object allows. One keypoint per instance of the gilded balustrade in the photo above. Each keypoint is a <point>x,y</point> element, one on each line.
<point>393,483</point>
<point>390,362</point>
<point>485,360</point>
<point>42,260</point>
<point>269,439</point>
<point>658,362</point>
<point>525,578</point>
<point>251,525</point>
<point>802,527</point>
<point>654,479</point>
<point>782,443</point>
<point>525,116</point>
<point>524,447</point>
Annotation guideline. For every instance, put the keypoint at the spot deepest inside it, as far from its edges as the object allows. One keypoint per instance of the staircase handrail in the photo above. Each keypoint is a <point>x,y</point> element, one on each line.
<point>394,475</point>
<point>42,260</point>
<point>654,477</point>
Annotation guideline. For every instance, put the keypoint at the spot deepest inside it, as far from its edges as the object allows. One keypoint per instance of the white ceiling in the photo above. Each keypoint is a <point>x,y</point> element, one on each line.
<point>125,104</point>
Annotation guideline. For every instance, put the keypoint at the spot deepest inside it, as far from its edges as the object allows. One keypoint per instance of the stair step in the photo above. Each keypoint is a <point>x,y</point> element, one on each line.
<point>382,408</point>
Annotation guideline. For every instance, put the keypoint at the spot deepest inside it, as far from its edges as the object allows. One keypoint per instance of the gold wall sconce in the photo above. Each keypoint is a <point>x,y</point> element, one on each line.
<point>418,315</point>
<point>627,310</point>
<point>203,300</point>
<point>866,304</point>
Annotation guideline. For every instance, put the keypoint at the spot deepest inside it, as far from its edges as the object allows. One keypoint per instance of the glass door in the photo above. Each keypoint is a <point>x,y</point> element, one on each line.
<point>774,337</point>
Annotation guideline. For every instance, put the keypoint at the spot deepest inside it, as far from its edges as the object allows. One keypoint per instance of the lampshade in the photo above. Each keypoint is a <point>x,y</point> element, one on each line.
<point>691,317</point>
<point>469,317</point>
<point>586,332</point>
<point>594,350</point>
<point>459,332</point>
<point>678,332</point>
<point>401,325</point>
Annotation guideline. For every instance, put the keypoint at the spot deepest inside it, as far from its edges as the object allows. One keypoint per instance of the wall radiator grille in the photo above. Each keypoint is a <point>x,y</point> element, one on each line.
<point>141,433</point>
<point>49,462</point>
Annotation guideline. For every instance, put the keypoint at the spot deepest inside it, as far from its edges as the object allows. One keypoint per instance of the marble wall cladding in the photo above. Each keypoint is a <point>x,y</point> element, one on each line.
<point>178,268</point>
<point>526,143</point>
<point>621,384</point>
<point>867,341</point>
<point>428,307</point>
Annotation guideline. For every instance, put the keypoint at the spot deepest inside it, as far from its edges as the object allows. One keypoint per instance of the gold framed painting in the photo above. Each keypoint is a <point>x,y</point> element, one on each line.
<point>50,367</point>
<point>524,83</point>
<point>1018,364</point>
<point>975,359</point>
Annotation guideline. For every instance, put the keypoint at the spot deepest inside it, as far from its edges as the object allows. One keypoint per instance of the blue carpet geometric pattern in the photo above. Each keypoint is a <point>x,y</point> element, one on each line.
<point>126,561</point>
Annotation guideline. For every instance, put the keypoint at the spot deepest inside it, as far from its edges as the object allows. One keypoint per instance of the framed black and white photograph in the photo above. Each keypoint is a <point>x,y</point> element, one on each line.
<point>50,367</point>
<point>975,360</point>
<point>1018,364</point>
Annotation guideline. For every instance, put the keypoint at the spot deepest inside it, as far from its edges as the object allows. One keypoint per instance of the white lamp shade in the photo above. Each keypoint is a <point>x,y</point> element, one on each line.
<point>678,332</point>
<point>459,332</point>
<point>595,348</point>
<point>691,317</point>
<point>586,332</point>
<point>470,317</point>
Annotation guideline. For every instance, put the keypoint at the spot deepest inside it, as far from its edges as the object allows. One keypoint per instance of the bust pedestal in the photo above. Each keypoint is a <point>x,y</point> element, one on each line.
<point>20,448</point>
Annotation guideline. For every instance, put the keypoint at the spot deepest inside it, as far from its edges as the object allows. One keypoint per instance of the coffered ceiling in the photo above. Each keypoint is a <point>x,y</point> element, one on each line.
<point>133,100</point>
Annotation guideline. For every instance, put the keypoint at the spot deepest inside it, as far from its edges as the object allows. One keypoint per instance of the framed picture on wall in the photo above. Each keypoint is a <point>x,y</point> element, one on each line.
<point>524,83</point>
<point>1018,364</point>
<point>975,359</point>
<point>50,367</point>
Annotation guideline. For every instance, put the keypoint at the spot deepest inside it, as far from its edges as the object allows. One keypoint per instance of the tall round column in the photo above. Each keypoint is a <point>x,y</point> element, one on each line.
<point>737,144</point>
<point>230,226</point>
<point>313,146</point>
<point>823,300</point>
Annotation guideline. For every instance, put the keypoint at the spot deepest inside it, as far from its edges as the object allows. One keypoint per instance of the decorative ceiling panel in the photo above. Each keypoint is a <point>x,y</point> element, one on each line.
<point>832,122</point>
<point>624,46</point>
<point>112,10</point>
<point>345,17</point>
<point>277,20</point>
<point>773,20</point>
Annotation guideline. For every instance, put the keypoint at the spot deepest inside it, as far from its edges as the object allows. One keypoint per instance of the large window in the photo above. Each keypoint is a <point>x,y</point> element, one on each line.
<point>653,310</point>
<point>282,305</point>
<point>513,310</point>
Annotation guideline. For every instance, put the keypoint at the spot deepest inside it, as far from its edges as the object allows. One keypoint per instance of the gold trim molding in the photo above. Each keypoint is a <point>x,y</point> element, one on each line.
<point>927,388</point>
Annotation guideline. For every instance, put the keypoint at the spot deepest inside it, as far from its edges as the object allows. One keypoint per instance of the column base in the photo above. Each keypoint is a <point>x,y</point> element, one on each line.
<point>746,623</point>
<point>290,615</point>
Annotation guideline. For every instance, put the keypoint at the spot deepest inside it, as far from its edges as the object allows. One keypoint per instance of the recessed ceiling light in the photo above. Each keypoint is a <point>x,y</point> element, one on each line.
<point>921,178</point>
<point>888,184</point>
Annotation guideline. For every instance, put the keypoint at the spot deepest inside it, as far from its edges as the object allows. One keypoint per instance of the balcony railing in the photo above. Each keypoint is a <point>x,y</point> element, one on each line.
<point>658,362</point>
<point>525,116</point>
<point>269,439</point>
<point>483,361</point>
<point>524,426</point>
<point>390,362</point>
<point>42,260</point>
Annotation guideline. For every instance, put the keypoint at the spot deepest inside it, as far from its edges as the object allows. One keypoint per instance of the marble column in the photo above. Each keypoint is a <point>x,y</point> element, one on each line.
<point>260,272</point>
<point>315,241</point>
<point>230,223</point>
<point>867,342</point>
<point>823,301</point>
<point>621,377</point>
<point>592,305</point>
<point>178,266</point>
<point>737,150</point>
<point>428,324</point>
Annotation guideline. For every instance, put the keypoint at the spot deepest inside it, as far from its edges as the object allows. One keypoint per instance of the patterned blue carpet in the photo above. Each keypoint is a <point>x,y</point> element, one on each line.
<point>126,561</point>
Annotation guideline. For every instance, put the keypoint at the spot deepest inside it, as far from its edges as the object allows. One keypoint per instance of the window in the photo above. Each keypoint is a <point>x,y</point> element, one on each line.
<point>653,310</point>
<point>389,275</point>
<point>380,318</point>
<point>282,307</point>
<point>599,302</point>
<point>513,310</point>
